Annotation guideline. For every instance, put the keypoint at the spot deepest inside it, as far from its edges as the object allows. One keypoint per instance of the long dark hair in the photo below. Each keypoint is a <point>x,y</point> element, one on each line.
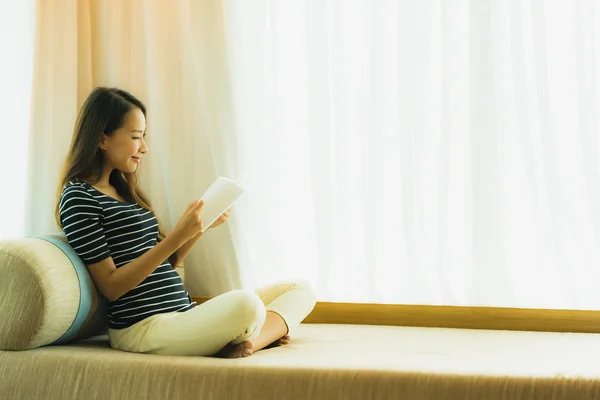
<point>103,112</point>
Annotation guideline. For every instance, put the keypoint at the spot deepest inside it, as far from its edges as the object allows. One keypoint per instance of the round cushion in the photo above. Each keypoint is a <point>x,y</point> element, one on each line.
<point>46,295</point>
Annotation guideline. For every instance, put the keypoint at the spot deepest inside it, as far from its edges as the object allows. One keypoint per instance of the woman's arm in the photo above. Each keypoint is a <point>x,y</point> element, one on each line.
<point>185,249</point>
<point>115,282</point>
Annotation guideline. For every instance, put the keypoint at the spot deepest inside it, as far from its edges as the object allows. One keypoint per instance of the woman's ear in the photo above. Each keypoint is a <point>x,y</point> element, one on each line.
<point>102,144</point>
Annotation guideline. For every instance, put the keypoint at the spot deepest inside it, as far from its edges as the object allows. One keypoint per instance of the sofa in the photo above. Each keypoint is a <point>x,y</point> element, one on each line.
<point>53,345</point>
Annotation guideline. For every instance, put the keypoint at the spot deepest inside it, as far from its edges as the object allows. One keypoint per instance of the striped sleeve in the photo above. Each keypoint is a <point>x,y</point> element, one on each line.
<point>81,220</point>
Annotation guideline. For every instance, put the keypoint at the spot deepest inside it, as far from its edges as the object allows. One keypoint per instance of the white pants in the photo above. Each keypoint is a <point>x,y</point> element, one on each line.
<point>232,317</point>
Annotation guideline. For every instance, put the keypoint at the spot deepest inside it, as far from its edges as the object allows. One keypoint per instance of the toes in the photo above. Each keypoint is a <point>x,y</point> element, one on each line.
<point>243,349</point>
<point>285,340</point>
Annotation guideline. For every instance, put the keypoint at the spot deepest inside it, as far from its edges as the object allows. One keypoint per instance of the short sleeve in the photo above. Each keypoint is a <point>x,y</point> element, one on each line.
<point>81,220</point>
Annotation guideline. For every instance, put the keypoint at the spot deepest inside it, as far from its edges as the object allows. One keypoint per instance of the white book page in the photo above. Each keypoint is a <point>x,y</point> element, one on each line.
<point>218,198</point>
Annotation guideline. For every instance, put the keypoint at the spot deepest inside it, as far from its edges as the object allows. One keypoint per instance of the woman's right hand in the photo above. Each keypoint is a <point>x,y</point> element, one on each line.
<point>190,223</point>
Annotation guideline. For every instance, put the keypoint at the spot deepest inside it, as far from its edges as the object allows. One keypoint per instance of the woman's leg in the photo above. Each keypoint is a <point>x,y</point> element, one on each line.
<point>273,329</point>
<point>233,324</point>
<point>287,305</point>
<point>236,316</point>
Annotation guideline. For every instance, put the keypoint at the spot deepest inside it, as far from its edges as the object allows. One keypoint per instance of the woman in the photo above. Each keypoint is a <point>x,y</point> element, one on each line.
<point>110,223</point>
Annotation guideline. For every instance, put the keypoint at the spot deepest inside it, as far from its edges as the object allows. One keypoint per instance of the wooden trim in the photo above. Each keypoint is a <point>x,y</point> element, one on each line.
<point>519,319</point>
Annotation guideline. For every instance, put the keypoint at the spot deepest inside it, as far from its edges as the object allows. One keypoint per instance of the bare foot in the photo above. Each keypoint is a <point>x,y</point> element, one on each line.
<point>285,340</point>
<point>243,349</point>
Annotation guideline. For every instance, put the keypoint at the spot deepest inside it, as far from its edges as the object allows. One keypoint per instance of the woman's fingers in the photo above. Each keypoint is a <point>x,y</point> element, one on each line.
<point>191,205</point>
<point>195,205</point>
<point>196,211</point>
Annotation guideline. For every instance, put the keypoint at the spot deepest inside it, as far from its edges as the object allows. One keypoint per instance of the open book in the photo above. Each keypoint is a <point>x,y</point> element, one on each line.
<point>218,198</point>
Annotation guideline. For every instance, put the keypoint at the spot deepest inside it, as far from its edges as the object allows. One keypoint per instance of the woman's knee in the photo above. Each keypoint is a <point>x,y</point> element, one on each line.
<point>295,303</point>
<point>247,308</point>
<point>309,298</point>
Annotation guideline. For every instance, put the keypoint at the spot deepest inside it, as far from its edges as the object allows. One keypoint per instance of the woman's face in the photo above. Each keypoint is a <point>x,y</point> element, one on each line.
<point>124,149</point>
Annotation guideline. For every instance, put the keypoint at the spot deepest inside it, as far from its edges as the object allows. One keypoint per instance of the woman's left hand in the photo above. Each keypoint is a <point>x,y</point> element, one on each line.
<point>222,219</point>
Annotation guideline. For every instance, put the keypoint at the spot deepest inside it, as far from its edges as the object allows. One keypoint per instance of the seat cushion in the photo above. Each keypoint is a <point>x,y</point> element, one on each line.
<point>329,362</point>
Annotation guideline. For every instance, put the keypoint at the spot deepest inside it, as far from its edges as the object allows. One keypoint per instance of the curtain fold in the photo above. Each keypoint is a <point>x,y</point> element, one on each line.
<point>167,54</point>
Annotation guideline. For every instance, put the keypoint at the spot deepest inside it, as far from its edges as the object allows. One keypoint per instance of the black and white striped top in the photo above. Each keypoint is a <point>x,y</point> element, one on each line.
<point>97,227</point>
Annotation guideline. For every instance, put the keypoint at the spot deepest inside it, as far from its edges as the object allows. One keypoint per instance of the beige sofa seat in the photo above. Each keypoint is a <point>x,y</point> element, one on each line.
<point>324,362</point>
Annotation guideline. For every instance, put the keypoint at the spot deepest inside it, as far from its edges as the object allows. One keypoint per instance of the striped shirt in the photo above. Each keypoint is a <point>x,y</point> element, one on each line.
<point>98,227</point>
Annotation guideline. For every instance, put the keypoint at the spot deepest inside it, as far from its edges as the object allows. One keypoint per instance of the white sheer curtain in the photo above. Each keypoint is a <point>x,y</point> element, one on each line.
<point>394,151</point>
<point>426,152</point>
<point>16,48</point>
